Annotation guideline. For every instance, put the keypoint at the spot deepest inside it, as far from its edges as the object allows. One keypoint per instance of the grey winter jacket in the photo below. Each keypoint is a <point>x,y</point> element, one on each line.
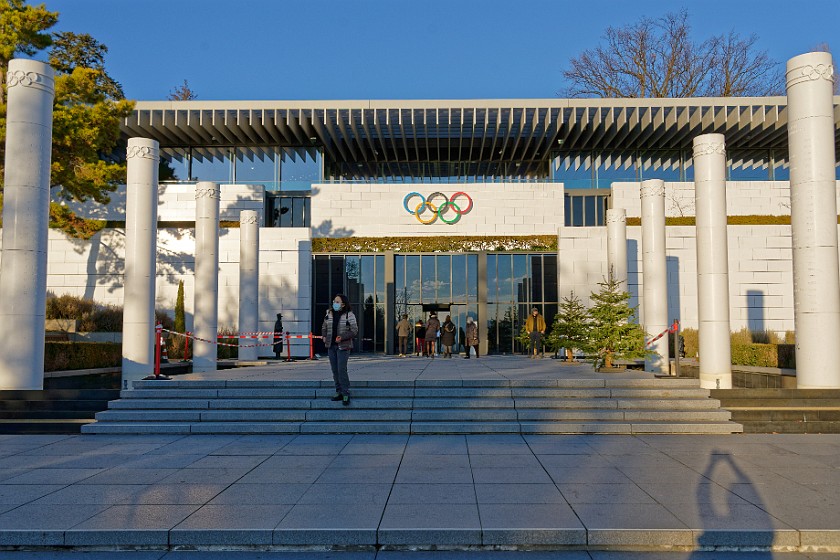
<point>348,328</point>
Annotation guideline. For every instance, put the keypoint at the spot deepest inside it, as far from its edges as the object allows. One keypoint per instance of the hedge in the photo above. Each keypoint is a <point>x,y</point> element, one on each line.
<point>437,243</point>
<point>81,355</point>
<point>764,355</point>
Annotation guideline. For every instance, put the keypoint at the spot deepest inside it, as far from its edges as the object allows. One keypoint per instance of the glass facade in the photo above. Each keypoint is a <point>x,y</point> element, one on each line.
<point>449,284</point>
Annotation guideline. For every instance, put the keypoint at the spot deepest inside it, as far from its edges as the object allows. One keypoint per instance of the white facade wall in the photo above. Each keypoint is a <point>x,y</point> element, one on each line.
<point>760,272</point>
<point>375,210</point>
<point>743,198</point>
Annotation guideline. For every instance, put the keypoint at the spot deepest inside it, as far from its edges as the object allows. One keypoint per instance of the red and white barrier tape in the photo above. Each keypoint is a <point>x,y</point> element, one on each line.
<point>192,336</point>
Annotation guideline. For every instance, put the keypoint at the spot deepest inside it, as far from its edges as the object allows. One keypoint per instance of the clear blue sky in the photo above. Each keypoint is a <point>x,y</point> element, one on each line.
<point>396,49</point>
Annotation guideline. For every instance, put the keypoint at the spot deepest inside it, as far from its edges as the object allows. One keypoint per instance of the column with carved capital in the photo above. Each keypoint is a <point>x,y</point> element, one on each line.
<point>206,320</point>
<point>138,347</point>
<point>249,283</point>
<point>712,261</point>
<point>655,274</point>
<point>617,245</point>
<point>26,207</point>
<point>813,217</point>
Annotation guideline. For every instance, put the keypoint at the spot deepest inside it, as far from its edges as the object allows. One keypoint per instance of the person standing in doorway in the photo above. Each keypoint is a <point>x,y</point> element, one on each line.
<point>403,328</point>
<point>278,336</point>
<point>432,333</point>
<point>535,325</point>
<point>419,338</point>
<point>447,336</point>
<point>471,337</point>
<point>339,329</point>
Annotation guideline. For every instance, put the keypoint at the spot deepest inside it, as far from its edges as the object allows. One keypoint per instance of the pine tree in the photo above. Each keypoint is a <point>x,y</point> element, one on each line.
<point>180,323</point>
<point>612,332</point>
<point>571,327</point>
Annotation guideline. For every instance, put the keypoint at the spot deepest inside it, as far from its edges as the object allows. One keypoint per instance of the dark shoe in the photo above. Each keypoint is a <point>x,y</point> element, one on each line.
<point>337,397</point>
<point>345,400</point>
<point>466,357</point>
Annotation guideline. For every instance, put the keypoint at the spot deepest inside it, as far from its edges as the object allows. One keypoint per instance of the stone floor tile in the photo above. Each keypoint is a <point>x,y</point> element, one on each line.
<point>47,517</point>
<point>295,475</point>
<point>530,524</point>
<point>358,475</point>
<point>250,525</point>
<point>608,475</point>
<point>684,493</point>
<point>438,476</point>
<point>444,524</point>
<point>206,476</point>
<point>260,494</point>
<point>329,524</point>
<point>121,475</point>
<point>595,493</point>
<point>178,494</point>
<point>228,462</point>
<point>520,475</point>
<point>435,461</point>
<point>350,461</point>
<point>94,494</point>
<point>17,494</point>
<point>627,516</point>
<point>436,445</point>
<point>352,493</point>
<point>137,518</point>
<point>53,476</point>
<point>432,493</point>
<point>505,461</point>
<point>518,494</point>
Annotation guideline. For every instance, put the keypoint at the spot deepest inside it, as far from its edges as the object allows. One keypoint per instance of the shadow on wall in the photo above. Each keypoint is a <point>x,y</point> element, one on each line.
<point>325,229</point>
<point>755,310</point>
<point>672,264</point>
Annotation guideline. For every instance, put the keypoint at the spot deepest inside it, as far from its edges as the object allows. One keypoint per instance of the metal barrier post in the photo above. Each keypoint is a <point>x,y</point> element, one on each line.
<point>158,338</point>
<point>288,347</point>
<point>676,329</point>
<point>187,346</point>
<point>311,348</point>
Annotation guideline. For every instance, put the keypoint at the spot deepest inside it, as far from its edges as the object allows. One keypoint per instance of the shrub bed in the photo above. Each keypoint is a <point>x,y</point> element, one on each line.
<point>81,355</point>
<point>764,355</point>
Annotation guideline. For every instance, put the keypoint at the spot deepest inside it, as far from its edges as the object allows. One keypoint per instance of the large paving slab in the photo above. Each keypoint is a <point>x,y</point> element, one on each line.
<point>376,493</point>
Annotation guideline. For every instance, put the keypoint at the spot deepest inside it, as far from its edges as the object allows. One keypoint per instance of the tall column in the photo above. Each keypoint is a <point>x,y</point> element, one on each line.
<point>26,208</point>
<point>813,217</point>
<point>206,320</point>
<point>617,245</point>
<point>249,281</point>
<point>712,261</point>
<point>655,273</point>
<point>138,347</point>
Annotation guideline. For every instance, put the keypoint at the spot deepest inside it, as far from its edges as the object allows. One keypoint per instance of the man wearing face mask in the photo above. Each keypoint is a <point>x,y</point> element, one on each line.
<point>472,337</point>
<point>339,329</point>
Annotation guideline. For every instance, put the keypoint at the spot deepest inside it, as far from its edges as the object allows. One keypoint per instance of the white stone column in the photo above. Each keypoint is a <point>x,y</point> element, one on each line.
<point>655,274</point>
<point>712,261</point>
<point>249,283</point>
<point>813,216</point>
<point>138,347</point>
<point>617,245</point>
<point>206,319</point>
<point>26,204</point>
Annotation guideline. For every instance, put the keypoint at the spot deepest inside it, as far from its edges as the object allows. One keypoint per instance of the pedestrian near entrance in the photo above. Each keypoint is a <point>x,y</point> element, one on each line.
<point>419,338</point>
<point>339,329</point>
<point>447,336</point>
<point>432,334</point>
<point>472,337</point>
<point>403,328</point>
<point>535,325</point>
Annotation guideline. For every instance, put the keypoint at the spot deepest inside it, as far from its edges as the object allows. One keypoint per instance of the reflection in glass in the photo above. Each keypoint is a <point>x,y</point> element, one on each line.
<point>521,278</point>
<point>299,168</point>
<point>212,164</point>
<point>459,278</point>
<point>412,278</point>
<point>505,292</point>
<point>380,278</point>
<point>472,278</point>
<point>427,269</point>
<point>256,165</point>
<point>444,270</point>
<point>175,164</point>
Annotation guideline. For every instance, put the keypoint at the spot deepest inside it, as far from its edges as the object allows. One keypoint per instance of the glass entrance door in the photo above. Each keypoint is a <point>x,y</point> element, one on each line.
<point>445,283</point>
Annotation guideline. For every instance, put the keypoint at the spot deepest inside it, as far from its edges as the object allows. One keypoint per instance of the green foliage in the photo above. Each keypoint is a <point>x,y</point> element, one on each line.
<point>81,355</point>
<point>92,317</point>
<point>524,338</point>
<point>764,355</point>
<point>227,352</point>
<point>434,244</point>
<point>87,109</point>
<point>64,219</point>
<point>180,315</point>
<point>570,328</point>
<point>612,334</point>
<point>750,220</point>
<point>691,337</point>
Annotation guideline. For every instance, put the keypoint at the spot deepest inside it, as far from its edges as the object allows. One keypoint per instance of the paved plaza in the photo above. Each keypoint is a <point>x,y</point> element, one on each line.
<point>372,496</point>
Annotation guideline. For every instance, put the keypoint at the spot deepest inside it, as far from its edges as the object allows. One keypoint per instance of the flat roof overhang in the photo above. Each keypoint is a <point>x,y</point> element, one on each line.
<point>497,130</point>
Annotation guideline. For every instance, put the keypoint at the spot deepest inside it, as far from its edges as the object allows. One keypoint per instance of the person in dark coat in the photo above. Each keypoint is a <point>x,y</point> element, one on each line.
<point>472,337</point>
<point>278,336</point>
<point>419,338</point>
<point>432,333</point>
<point>447,336</point>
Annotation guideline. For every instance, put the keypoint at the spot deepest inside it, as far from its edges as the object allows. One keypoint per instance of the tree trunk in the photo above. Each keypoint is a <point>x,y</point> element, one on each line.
<point>608,360</point>
<point>569,355</point>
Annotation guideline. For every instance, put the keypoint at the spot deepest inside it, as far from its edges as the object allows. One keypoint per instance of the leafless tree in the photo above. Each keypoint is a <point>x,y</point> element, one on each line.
<point>182,93</point>
<point>659,58</point>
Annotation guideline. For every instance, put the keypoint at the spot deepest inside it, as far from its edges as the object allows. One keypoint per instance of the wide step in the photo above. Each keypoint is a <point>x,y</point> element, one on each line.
<point>541,406</point>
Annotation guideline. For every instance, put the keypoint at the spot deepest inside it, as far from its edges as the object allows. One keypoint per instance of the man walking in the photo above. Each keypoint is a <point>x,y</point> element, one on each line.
<point>535,325</point>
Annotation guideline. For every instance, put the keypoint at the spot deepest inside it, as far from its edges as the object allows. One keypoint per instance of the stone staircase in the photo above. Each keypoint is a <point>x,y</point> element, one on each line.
<point>51,411</point>
<point>783,411</point>
<point>539,406</point>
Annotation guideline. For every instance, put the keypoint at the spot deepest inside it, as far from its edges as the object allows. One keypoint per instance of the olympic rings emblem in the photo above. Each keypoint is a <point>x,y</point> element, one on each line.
<point>435,212</point>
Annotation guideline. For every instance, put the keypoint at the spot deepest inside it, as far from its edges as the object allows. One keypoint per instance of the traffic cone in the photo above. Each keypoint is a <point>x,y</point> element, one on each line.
<point>164,359</point>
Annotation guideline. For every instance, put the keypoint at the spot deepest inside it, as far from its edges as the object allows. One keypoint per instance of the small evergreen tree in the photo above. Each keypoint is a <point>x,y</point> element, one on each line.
<point>612,332</point>
<point>571,327</point>
<point>180,316</point>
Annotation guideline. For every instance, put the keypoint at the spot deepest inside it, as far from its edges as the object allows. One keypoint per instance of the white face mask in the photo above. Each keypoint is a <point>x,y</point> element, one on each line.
<point>469,321</point>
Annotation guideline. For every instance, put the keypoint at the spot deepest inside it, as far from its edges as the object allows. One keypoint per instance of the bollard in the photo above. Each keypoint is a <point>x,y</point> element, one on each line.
<point>288,347</point>
<point>311,348</point>
<point>158,338</point>
<point>187,346</point>
<point>676,329</point>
